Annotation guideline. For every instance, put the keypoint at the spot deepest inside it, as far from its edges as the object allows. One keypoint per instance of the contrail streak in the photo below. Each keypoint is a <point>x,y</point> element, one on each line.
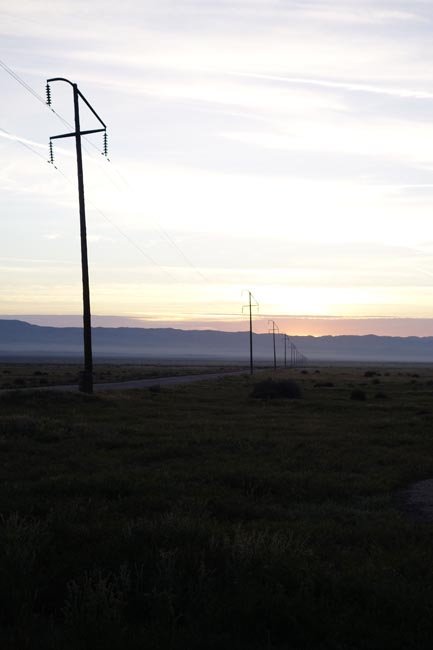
<point>11,136</point>
<point>339,85</point>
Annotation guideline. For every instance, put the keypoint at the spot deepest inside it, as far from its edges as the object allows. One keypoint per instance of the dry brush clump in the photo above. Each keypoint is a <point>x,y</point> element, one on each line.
<point>272,389</point>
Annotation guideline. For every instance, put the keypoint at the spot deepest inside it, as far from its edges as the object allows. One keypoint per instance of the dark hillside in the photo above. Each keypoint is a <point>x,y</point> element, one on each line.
<point>18,338</point>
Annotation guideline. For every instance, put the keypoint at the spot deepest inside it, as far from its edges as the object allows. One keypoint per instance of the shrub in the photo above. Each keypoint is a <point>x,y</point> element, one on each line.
<point>371,373</point>
<point>381,396</point>
<point>324,384</point>
<point>358,394</point>
<point>270,389</point>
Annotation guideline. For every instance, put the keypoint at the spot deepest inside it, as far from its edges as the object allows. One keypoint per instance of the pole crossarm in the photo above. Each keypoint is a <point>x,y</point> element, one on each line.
<point>273,329</point>
<point>74,135</point>
<point>253,305</point>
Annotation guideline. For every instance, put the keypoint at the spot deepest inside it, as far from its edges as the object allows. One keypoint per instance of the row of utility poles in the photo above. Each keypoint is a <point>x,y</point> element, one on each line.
<point>86,377</point>
<point>297,359</point>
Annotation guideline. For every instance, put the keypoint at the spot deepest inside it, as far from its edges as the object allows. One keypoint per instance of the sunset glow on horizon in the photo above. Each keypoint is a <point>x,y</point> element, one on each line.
<point>281,147</point>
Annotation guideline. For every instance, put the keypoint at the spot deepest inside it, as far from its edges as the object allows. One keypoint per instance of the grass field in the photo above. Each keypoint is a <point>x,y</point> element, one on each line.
<point>200,518</point>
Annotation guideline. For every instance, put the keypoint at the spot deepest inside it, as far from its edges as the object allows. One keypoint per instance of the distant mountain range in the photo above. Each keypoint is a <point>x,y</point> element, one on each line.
<point>21,340</point>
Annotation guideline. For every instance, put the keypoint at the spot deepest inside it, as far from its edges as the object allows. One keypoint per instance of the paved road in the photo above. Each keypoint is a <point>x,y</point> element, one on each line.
<point>139,383</point>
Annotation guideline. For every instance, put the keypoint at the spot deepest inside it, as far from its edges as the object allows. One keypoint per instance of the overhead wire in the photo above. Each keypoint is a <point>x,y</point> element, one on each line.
<point>133,243</point>
<point>21,81</point>
<point>110,221</point>
<point>158,228</point>
<point>27,146</point>
<point>166,235</point>
<point>40,98</point>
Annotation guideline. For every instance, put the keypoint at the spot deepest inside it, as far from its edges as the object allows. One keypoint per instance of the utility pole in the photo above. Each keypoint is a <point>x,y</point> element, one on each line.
<point>86,376</point>
<point>273,331</point>
<point>250,308</point>
<point>285,349</point>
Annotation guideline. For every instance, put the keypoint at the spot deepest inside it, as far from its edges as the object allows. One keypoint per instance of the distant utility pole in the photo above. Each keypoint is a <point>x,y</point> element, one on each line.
<point>86,378</point>
<point>286,338</point>
<point>250,307</point>
<point>273,329</point>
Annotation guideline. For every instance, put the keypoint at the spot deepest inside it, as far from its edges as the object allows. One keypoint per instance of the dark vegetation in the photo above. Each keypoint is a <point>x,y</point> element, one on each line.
<point>273,389</point>
<point>358,394</point>
<point>324,384</point>
<point>198,518</point>
<point>372,373</point>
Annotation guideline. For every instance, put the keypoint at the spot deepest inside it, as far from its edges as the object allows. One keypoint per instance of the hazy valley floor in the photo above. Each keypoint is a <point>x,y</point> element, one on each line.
<point>199,517</point>
<point>40,375</point>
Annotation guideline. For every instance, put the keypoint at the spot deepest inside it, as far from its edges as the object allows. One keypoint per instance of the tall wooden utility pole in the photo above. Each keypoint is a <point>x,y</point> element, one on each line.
<point>86,378</point>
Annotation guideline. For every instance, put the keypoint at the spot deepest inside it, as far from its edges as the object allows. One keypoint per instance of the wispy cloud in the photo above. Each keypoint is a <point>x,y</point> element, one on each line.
<point>17,138</point>
<point>404,93</point>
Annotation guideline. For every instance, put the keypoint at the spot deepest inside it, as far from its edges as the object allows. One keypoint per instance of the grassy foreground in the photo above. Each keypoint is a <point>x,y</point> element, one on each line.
<point>200,518</point>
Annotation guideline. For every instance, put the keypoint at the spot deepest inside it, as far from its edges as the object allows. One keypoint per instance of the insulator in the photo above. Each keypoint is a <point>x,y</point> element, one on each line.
<point>105,152</point>
<point>51,160</point>
<point>48,91</point>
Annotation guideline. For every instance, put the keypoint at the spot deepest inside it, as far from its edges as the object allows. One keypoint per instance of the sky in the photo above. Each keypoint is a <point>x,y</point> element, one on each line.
<point>278,146</point>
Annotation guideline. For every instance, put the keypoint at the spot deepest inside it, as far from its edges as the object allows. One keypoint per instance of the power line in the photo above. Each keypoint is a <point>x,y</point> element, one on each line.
<point>132,242</point>
<point>112,223</point>
<point>21,81</point>
<point>42,100</point>
<point>66,123</point>
<point>124,234</point>
<point>180,251</point>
